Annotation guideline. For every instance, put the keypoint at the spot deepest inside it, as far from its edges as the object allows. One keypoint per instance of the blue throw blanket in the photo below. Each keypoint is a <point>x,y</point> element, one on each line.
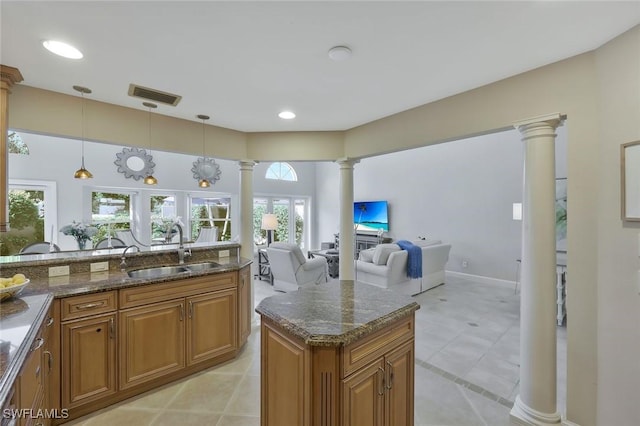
<point>414,258</point>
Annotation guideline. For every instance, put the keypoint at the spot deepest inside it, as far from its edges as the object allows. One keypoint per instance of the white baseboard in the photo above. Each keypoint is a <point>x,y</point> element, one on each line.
<point>481,279</point>
<point>566,422</point>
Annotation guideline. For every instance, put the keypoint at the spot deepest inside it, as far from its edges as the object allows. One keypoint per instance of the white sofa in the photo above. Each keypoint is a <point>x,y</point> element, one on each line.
<point>386,266</point>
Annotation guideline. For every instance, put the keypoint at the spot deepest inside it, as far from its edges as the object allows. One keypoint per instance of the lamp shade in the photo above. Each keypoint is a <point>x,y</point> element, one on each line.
<point>269,222</point>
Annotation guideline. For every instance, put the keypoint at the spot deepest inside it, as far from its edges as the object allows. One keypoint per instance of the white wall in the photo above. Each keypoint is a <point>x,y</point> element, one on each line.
<point>460,192</point>
<point>56,159</point>
<point>618,301</point>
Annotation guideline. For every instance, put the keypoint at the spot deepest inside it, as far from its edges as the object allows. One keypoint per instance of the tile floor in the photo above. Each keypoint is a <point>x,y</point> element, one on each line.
<point>467,354</point>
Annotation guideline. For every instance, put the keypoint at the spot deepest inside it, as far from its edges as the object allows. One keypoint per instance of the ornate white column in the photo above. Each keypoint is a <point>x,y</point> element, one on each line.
<point>246,208</point>
<point>347,269</point>
<point>536,403</point>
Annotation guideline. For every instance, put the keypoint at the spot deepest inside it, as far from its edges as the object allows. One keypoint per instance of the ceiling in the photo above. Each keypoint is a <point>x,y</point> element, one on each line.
<point>243,62</point>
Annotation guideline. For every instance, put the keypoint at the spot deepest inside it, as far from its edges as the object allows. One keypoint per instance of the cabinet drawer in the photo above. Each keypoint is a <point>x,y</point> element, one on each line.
<point>361,353</point>
<point>153,293</point>
<point>89,304</point>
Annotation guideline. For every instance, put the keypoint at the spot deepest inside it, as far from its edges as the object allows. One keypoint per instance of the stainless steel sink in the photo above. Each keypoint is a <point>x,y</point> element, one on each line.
<point>157,272</point>
<point>195,267</point>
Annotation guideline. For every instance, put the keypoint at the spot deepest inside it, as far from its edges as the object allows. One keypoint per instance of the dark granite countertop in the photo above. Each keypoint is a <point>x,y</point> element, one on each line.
<point>20,320</point>
<point>92,282</point>
<point>336,314</point>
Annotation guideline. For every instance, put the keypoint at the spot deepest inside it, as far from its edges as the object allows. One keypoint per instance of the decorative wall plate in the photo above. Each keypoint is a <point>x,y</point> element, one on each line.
<point>206,168</point>
<point>134,163</point>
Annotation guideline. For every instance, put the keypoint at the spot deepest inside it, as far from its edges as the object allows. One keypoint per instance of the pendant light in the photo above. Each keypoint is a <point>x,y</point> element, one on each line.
<point>204,182</point>
<point>150,180</point>
<point>82,173</point>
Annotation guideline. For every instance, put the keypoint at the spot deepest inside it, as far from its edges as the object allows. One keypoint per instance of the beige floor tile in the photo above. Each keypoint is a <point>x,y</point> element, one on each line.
<point>207,392</point>
<point>230,420</point>
<point>185,418</point>
<point>157,398</point>
<point>246,399</point>
<point>123,416</point>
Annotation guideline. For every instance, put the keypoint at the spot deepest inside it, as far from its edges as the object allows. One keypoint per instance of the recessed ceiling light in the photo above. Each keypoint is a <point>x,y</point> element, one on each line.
<point>287,115</point>
<point>62,49</point>
<point>339,53</point>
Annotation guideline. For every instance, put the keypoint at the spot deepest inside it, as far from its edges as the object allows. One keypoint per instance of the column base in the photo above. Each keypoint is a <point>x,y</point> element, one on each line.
<point>521,414</point>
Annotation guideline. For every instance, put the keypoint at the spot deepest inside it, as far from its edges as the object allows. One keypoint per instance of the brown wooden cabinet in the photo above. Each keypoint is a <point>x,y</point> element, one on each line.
<point>245,310</point>
<point>381,393</point>
<point>151,342</point>
<point>89,359</point>
<point>31,389</point>
<point>211,325</point>
<point>369,382</point>
<point>119,343</point>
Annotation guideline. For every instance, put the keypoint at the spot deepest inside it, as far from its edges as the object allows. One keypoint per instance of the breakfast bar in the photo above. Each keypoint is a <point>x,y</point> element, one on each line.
<point>337,354</point>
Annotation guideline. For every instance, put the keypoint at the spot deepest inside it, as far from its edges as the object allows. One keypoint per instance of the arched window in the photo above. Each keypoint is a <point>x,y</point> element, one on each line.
<point>281,171</point>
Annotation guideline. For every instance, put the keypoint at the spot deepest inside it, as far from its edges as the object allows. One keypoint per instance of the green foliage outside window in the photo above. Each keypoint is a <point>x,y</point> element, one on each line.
<point>26,221</point>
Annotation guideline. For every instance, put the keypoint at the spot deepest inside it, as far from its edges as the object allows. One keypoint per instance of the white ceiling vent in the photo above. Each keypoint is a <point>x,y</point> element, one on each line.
<point>154,95</point>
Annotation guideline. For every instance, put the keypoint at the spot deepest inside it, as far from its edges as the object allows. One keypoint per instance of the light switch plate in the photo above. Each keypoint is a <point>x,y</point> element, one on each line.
<point>99,266</point>
<point>58,271</point>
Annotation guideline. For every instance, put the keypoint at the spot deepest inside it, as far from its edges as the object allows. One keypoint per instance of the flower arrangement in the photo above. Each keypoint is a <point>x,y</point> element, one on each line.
<point>81,232</point>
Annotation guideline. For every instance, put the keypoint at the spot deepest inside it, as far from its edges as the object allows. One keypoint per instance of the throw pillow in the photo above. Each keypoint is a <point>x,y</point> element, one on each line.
<point>382,252</point>
<point>367,255</point>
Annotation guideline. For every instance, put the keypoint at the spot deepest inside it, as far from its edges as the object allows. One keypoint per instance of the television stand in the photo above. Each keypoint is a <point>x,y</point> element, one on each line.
<point>364,241</point>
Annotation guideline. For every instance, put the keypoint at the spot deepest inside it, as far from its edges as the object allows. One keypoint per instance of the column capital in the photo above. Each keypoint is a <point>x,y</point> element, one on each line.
<point>10,75</point>
<point>554,120</point>
<point>347,162</point>
<point>247,164</point>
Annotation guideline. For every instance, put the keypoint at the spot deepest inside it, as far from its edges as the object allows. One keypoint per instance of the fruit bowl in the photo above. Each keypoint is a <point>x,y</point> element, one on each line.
<point>14,290</point>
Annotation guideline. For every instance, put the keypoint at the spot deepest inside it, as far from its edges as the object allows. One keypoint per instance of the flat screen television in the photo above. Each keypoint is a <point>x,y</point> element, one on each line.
<point>370,216</point>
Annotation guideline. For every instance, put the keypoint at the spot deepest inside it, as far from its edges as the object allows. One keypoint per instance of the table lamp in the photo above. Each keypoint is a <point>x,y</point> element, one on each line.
<point>269,224</point>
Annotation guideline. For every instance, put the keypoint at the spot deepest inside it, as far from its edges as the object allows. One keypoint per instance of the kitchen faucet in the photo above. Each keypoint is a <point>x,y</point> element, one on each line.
<point>123,263</point>
<point>181,250</point>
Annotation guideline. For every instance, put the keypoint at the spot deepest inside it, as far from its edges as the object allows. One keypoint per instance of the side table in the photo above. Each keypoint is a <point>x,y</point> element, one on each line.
<point>333,261</point>
<point>264,269</point>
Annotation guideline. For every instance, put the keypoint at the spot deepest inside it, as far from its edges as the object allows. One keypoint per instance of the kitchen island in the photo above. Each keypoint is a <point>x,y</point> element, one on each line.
<point>340,354</point>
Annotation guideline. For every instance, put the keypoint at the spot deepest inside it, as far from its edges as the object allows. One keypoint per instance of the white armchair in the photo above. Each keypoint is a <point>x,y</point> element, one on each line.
<point>291,269</point>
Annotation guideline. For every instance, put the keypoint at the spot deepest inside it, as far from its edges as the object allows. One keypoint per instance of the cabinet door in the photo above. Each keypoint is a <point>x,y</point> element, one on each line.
<point>151,342</point>
<point>211,327</point>
<point>363,396</point>
<point>244,304</point>
<point>399,366</point>
<point>89,359</point>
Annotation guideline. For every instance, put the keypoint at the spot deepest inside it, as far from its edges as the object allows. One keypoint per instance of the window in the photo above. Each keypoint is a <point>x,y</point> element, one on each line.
<point>16,144</point>
<point>211,212</point>
<point>32,215</point>
<point>163,211</point>
<point>110,211</point>
<point>281,171</point>
<point>291,221</point>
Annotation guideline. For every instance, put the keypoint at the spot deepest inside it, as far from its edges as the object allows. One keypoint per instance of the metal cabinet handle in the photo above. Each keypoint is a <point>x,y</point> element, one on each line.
<point>90,305</point>
<point>381,386</point>
<point>38,371</point>
<point>190,309</point>
<point>50,360</point>
<point>390,381</point>
<point>38,344</point>
<point>181,312</point>
<point>111,328</point>
<point>49,321</point>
